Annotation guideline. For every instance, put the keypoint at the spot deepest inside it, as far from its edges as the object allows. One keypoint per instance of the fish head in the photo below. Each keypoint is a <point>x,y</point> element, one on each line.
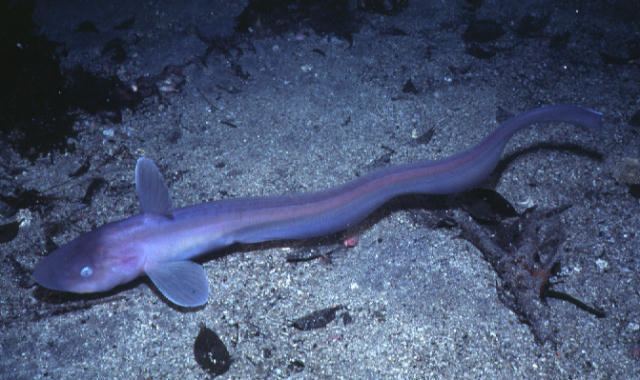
<point>93,262</point>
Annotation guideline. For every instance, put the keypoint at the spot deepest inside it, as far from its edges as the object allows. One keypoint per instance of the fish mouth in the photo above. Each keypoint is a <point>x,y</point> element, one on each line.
<point>54,272</point>
<point>46,275</point>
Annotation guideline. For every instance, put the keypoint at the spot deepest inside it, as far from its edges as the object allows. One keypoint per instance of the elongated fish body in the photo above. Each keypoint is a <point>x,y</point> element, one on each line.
<point>160,241</point>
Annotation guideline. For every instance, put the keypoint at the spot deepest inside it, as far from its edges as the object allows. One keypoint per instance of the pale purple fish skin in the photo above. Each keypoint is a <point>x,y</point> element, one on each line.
<point>118,252</point>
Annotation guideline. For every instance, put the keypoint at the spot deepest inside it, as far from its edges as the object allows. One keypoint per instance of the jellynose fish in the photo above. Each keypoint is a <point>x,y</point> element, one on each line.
<point>161,241</point>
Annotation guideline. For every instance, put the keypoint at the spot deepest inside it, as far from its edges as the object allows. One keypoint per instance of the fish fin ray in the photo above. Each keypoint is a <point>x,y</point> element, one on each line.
<point>181,282</point>
<point>153,193</point>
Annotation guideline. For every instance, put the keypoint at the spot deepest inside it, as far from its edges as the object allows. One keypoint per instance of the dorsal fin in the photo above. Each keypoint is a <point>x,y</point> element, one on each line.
<point>151,189</point>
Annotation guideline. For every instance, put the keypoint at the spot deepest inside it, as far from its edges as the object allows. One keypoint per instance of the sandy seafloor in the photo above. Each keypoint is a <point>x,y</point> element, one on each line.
<point>301,110</point>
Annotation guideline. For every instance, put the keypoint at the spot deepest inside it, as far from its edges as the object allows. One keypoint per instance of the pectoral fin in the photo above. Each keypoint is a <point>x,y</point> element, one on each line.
<point>182,282</point>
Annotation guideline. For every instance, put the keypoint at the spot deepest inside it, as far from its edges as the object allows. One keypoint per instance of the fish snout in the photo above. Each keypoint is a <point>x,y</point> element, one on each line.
<point>47,274</point>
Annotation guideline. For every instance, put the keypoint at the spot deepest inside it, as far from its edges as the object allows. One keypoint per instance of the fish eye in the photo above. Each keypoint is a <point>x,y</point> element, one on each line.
<point>86,272</point>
